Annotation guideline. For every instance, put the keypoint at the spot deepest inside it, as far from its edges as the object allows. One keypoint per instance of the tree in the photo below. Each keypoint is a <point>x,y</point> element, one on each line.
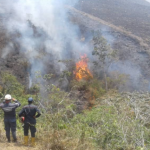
<point>10,84</point>
<point>104,53</point>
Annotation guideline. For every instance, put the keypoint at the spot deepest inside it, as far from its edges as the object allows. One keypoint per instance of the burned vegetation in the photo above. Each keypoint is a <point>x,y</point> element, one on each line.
<point>88,76</point>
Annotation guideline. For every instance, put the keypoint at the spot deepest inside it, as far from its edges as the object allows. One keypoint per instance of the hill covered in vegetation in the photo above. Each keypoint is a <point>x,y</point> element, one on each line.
<point>87,67</point>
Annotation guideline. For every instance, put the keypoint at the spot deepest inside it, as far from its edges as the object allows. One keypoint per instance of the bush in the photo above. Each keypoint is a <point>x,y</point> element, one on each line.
<point>94,86</point>
<point>10,84</point>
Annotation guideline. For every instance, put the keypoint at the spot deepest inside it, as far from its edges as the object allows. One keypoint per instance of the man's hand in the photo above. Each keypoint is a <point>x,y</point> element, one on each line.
<point>13,99</point>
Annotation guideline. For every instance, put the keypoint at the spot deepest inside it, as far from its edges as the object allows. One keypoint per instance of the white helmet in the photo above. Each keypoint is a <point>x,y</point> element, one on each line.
<point>8,97</point>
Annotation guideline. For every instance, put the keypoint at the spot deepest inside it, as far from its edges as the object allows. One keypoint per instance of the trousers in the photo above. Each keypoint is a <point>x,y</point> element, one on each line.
<point>10,126</point>
<point>32,128</point>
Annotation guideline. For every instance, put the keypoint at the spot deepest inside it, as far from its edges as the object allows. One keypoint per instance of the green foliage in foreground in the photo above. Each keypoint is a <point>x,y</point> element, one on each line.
<point>101,127</point>
<point>110,125</point>
<point>104,126</point>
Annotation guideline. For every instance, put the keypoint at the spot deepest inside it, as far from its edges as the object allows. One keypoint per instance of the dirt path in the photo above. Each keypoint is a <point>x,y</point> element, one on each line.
<point>15,146</point>
<point>4,145</point>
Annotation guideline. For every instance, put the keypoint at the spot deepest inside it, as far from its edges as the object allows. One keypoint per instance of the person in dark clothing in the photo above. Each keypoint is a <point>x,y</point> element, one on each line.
<point>10,116</point>
<point>29,112</point>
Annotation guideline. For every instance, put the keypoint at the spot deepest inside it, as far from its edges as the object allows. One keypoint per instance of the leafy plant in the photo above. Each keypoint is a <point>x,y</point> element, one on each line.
<point>104,54</point>
<point>10,84</point>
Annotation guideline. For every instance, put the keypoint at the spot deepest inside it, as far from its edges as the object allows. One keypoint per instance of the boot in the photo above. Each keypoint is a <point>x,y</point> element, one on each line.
<point>8,136</point>
<point>8,140</point>
<point>25,141</point>
<point>14,136</point>
<point>33,141</point>
<point>15,140</point>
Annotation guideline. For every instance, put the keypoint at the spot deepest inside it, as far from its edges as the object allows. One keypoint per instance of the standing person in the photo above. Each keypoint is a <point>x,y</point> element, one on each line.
<point>29,112</point>
<point>10,116</point>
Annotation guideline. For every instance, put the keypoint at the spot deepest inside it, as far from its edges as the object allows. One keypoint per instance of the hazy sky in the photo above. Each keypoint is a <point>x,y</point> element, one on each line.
<point>148,1</point>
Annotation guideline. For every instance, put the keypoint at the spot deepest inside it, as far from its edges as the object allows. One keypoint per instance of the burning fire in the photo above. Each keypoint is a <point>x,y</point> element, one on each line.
<point>82,71</point>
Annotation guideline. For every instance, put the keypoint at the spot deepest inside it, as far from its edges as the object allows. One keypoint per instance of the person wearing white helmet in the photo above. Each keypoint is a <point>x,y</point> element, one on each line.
<point>10,116</point>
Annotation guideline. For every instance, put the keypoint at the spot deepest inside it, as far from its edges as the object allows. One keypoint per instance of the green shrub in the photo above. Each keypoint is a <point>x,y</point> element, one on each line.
<point>94,86</point>
<point>10,84</point>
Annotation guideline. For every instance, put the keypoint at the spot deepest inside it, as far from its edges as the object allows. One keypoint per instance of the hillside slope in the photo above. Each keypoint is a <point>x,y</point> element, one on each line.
<point>112,17</point>
<point>133,51</point>
<point>133,15</point>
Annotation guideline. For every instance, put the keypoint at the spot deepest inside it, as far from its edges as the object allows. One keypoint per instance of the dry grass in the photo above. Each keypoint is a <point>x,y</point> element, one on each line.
<point>13,146</point>
<point>61,140</point>
<point>46,140</point>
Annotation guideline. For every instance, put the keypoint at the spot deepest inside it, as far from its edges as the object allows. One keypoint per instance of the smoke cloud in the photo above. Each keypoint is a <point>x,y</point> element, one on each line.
<point>44,34</point>
<point>135,80</point>
<point>41,29</point>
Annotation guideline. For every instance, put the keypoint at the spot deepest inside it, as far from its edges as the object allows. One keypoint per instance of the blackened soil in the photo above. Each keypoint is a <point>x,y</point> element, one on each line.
<point>132,15</point>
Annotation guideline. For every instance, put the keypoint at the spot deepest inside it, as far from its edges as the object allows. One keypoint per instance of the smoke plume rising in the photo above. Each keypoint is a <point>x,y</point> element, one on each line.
<point>42,30</point>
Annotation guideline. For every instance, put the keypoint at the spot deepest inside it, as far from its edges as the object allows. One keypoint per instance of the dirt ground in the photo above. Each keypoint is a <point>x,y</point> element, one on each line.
<point>132,15</point>
<point>15,146</point>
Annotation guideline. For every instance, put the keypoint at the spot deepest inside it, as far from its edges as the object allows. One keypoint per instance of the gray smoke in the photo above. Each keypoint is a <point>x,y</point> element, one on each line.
<point>45,35</point>
<point>42,29</point>
<point>135,80</point>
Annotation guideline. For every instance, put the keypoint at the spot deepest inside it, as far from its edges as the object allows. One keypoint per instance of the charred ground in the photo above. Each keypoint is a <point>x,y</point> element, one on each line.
<point>127,16</point>
<point>132,15</point>
<point>125,25</point>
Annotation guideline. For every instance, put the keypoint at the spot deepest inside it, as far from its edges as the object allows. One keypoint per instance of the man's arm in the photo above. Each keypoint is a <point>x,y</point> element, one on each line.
<point>21,113</point>
<point>39,113</point>
<point>16,102</point>
<point>1,105</point>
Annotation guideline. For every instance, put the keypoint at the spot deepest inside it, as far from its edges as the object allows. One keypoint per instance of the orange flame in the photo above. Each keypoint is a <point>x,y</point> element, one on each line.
<point>82,71</point>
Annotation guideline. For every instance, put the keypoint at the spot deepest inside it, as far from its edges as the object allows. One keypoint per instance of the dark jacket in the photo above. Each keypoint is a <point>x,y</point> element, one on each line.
<point>10,110</point>
<point>29,112</point>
